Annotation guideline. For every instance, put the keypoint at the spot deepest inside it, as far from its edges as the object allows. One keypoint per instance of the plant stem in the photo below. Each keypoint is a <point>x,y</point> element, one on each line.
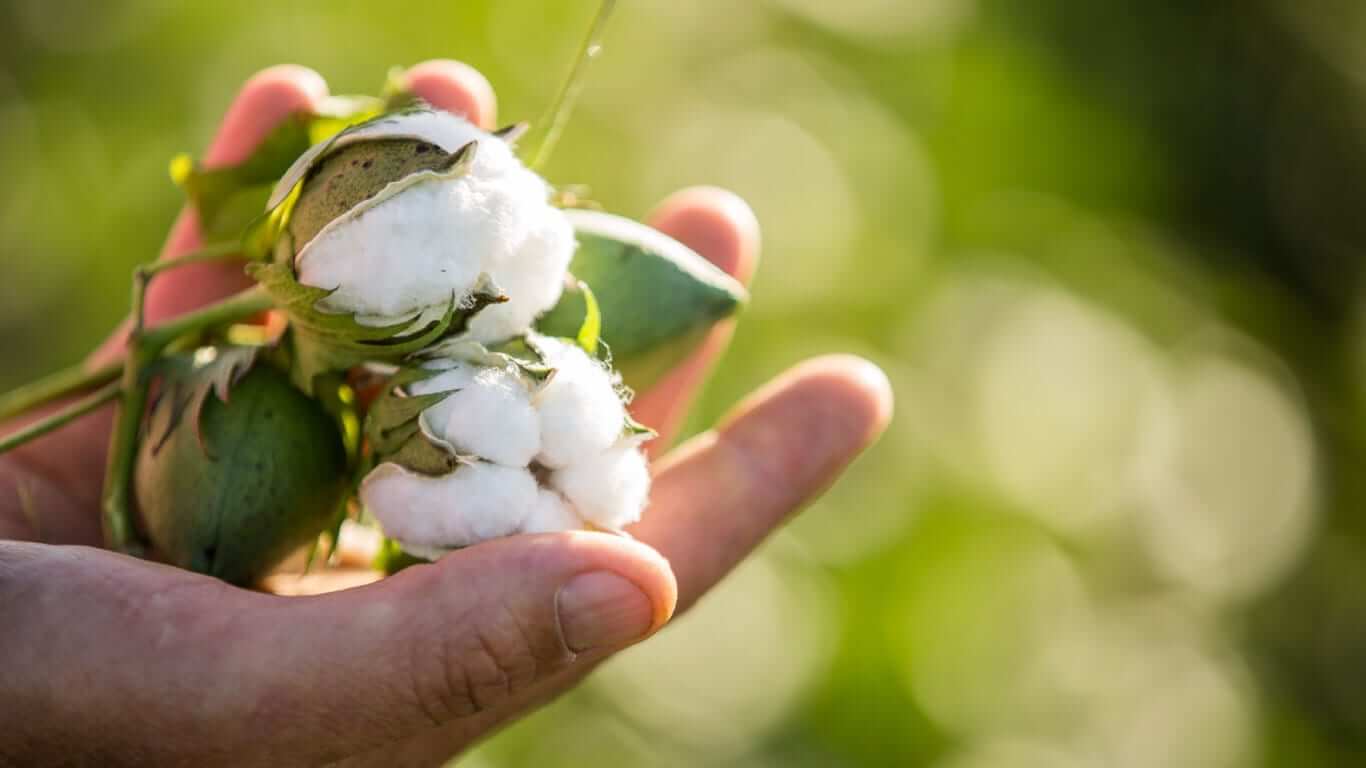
<point>233,309</point>
<point>142,276</point>
<point>79,378</point>
<point>56,386</point>
<point>557,116</point>
<point>61,418</point>
<point>209,253</point>
<point>123,443</point>
<point>144,345</point>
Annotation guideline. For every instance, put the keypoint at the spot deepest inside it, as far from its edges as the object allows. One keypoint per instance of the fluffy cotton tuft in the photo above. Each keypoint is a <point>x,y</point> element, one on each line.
<point>488,414</point>
<point>552,514</point>
<point>566,433</point>
<point>533,279</point>
<point>608,489</point>
<point>474,503</point>
<point>420,244</point>
<point>581,412</point>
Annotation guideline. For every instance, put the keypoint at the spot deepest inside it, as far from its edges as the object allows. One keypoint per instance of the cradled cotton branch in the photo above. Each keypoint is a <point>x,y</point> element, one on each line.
<point>437,343</point>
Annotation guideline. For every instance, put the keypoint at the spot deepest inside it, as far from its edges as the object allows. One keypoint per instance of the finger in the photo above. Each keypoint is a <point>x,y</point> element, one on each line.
<point>455,87</point>
<point>719,495</point>
<point>436,646</point>
<point>720,226</point>
<point>265,101</point>
<point>61,474</point>
<point>716,498</point>
<point>189,669</point>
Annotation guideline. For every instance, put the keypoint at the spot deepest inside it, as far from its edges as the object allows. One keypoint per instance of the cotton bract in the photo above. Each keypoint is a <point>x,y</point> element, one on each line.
<point>543,446</point>
<point>430,235</point>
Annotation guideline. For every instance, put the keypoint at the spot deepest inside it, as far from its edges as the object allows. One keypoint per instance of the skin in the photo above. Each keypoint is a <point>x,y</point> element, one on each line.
<point>109,660</point>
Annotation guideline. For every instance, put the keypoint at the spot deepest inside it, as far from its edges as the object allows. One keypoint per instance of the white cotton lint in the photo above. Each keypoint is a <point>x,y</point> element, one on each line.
<point>417,249</point>
<point>581,413</point>
<point>552,514</point>
<point>426,240</point>
<point>532,277</point>
<point>488,414</point>
<point>609,489</point>
<point>474,503</point>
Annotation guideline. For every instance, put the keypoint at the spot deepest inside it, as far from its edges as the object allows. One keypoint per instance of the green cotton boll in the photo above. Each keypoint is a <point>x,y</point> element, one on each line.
<point>657,297</point>
<point>234,489</point>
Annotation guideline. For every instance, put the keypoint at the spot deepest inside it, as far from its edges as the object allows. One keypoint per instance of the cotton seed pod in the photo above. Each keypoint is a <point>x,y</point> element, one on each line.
<point>490,444</point>
<point>237,469</point>
<point>400,216</point>
<point>657,297</point>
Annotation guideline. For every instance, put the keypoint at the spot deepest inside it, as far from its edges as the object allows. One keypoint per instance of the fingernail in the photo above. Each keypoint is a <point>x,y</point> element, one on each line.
<point>601,611</point>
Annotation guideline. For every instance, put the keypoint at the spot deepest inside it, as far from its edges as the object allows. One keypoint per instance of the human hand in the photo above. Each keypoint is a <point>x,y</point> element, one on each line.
<point>109,660</point>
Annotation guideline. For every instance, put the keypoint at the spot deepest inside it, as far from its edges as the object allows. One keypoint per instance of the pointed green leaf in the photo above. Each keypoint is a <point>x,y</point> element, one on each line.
<point>229,199</point>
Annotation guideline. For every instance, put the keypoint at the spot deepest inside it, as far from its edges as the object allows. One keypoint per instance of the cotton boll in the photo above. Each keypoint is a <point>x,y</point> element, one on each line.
<point>474,503</point>
<point>415,250</point>
<point>608,489</point>
<point>532,279</point>
<point>581,412</point>
<point>552,514</point>
<point>488,414</point>
<point>424,239</point>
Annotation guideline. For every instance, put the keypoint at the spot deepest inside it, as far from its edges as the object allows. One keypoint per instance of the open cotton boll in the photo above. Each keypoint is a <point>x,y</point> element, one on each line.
<point>552,514</point>
<point>406,246</point>
<point>488,414</point>
<point>608,489</point>
<point>474,503</point>
<point>581,412</point>
<point>413,251</point>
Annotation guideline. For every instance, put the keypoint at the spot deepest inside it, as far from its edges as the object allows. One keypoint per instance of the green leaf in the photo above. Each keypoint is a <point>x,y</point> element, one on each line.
<point>231,198</point>
<point>590,333</point>
<point>325,342</point>
<point>657,297</point>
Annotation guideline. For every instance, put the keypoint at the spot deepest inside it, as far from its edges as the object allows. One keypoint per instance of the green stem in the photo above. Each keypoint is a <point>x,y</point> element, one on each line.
<point>77,378</point>
<point>61,418</point>
<point>142,276</point>
<point>116,504</point>
<point>209,253</point>
<point>143,348</point>
<point>557,116</point>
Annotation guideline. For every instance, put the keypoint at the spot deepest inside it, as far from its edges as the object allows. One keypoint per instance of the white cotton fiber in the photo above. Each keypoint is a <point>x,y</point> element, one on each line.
<point>532,278</point>
<point>488,414</point>
<point>412,251</point>
<point>421,242</point>
<point>581,412</point>
<point>474,503</point>
<point>608,489</point>
<point>552,515</point>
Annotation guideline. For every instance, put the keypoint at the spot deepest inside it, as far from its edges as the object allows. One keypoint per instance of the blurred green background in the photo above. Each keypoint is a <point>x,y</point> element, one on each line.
<point>1109,252</point>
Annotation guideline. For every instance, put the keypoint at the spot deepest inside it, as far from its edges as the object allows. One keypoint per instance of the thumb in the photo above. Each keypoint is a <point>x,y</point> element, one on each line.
<point>442,643</point>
